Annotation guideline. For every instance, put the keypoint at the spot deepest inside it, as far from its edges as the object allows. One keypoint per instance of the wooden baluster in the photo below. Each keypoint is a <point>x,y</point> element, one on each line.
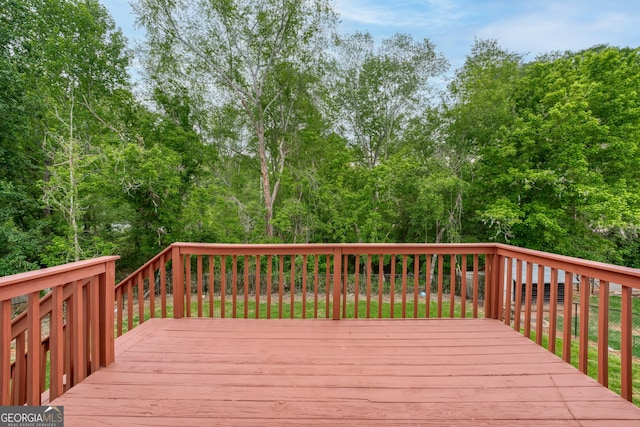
<point>33,349</point>
<point>528,300</point>
<point>223,285</point>
<point>292,286</point>
<point>380,283</point>
<point>94,322</point>
<point>152,291</point>
<point>356,287</point>
<point>427,286</point>
<point>120,308</point>
<point>337,267</point>
<point>316,280</point>
<point>553,311</point>
<point>130,306</point>
<point>518,295</point>
<point>199,281</point>
<point>140,298</point>
<point>304,286</point>
<point>603,334</point>
<point>507,289</point>
<point>476,284</point>
<point>280,284</point>
<point>269,284</point>
<point>187,268</point>
<point>246,287</point>
<point>540,306</point>
<point>440,284</point>
<point>452,285</point>
<point>258,286</point>
<point>212,286</point>
<point>463,287</point>
<point>583,354</point>
<point>327,284</point>
<point>626,344</point>
<point>77,334</point>
<point>163,287</point>
<point>404,286</point>
<point>44,349</point>
<point>5,352</point>
<point>416,284</point>
<point>566,327</point>
<point>369,273</point>
<point>392,289</point>
<point>56,348</point>
<point>20,372</point>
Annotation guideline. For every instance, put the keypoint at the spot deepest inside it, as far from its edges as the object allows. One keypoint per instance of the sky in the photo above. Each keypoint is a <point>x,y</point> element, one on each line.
<point>529,27</point>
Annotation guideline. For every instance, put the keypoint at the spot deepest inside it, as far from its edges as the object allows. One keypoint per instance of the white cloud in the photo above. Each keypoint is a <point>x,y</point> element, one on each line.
<point>554,27</point>
<point>401,15</point>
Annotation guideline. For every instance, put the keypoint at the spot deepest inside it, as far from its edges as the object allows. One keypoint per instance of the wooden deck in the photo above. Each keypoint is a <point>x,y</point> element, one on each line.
<point>349,372</point>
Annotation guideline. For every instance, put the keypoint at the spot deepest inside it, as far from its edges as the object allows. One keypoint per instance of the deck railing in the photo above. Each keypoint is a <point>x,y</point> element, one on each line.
<point>62,332</point>
<point>396,280</point>
<point>552,322</point>
<point>66,334</point>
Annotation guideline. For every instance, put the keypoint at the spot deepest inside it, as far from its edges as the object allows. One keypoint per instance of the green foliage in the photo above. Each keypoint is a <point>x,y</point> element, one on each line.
<point>255,130</point>
<point>551,176</point>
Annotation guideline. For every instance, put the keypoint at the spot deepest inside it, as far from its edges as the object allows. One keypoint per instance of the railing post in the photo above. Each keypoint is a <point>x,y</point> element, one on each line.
<point>337,271</point>
<point>499,287</point>
<point>34,353</point>
<point>494,286</point>
<point>107,296</point>
<point>5,352</point>
<point>177,271</point>
<point>488,286</point>
<point>626,345</point>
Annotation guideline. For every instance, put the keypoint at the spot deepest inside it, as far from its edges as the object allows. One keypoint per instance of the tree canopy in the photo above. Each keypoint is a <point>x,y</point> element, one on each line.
<point>254,121</point>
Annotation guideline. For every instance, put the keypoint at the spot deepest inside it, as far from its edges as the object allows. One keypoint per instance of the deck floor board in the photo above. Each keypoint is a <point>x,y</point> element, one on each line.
<point>350,372</point>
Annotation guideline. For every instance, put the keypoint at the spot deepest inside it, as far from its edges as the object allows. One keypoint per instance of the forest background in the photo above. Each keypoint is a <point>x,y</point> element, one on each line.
<point>254,122</point>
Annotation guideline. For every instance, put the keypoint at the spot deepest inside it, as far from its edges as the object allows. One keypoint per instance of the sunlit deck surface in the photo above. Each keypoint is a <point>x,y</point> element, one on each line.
<point>348,372</point>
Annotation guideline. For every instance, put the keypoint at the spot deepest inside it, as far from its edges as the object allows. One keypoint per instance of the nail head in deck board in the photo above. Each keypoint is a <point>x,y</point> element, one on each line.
<point>354,372</point>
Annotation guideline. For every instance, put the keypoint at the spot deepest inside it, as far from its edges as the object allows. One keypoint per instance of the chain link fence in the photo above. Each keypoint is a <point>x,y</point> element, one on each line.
<point>615,316</point>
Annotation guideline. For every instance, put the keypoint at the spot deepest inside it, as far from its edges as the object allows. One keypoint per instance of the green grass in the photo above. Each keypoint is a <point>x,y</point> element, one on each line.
<point>309,310</point>
<point>614,323</point>
<point>592,365</point>
<point>615,302</point>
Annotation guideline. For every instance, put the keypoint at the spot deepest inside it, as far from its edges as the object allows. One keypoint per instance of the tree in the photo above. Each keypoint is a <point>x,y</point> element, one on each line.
<point>229,52</point>
<point>83,62</point>
<point>559,175</point>
<point>379,90</point>
<point>464,131</point>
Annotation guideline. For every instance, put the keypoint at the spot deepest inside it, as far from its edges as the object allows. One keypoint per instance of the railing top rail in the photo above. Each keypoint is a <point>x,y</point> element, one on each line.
<point>33,281</point>
<point>326,248</point>
<point>146,265</point>
<point>614,273</point>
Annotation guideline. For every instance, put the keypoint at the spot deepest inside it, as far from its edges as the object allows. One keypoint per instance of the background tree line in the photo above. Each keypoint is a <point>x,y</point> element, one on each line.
<point>256,122</point>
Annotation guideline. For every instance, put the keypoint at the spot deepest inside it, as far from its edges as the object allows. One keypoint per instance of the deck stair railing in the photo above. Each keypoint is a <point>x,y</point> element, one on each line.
<point>53,341</point>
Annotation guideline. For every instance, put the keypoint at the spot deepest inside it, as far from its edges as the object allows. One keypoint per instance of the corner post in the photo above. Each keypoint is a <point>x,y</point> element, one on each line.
<point>107,296</point>
<point>177,271</point>
<point>499,267</point>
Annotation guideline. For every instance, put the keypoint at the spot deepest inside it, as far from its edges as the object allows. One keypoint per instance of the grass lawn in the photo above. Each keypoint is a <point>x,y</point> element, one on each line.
<point>614,323</point>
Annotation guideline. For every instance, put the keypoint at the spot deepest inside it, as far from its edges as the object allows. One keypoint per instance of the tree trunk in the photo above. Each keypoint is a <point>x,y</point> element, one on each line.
<point>266,183</point>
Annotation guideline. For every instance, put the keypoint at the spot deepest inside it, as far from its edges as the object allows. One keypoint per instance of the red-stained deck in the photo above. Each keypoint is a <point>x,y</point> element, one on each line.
<point>348,372</point>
